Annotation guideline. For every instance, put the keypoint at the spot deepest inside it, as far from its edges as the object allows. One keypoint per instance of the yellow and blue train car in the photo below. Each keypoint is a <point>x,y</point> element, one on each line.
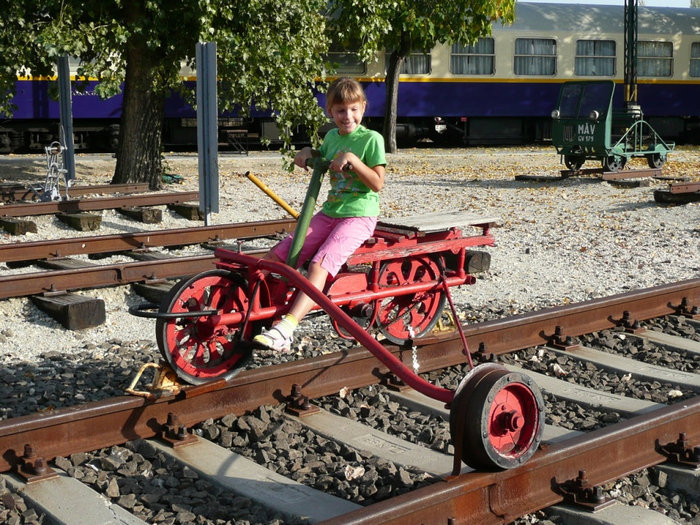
<point>500,90</point>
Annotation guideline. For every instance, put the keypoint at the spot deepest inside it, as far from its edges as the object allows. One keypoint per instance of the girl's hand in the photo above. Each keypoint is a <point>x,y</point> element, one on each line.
<point>302,156</point>
<point>343,160</point>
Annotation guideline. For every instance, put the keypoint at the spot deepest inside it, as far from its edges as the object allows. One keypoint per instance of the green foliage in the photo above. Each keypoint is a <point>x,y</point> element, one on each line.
<point>269,53</point>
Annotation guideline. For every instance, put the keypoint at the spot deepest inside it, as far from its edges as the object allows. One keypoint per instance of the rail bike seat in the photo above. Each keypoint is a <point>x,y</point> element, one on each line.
<point>434,222</point>
<point>423,234</point>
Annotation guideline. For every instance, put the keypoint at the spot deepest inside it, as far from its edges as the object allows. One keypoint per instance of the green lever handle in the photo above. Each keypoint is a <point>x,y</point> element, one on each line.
<point>320,166</point>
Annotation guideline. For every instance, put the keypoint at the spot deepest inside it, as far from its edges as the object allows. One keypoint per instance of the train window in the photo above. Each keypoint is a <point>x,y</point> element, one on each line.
<point>347,63</point>
<point>414,64</point>
<point>568,100</point>
<point>476,59</point>
<point>695,59</point>
<point>654,59</point>
<point>596,97</point>
<point>595,58</point>
<point>535,56</point>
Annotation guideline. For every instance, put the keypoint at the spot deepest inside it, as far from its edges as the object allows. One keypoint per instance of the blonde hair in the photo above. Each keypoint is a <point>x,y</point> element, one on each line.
<point>344,90</point>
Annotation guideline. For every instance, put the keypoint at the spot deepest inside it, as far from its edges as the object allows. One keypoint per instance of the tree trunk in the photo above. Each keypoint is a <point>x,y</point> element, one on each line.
<point>141,129</point>
<point>392,100</point>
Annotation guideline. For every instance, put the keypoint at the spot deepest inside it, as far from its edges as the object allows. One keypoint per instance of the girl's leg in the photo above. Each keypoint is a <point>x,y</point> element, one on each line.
<point>346,236</point>
<point>280,336</point>
<point>302,304</point>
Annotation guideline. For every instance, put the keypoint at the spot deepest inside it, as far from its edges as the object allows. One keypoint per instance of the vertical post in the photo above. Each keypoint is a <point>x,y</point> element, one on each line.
<point>630,43</point>
<point>207,134</point>
<point>66,117</point>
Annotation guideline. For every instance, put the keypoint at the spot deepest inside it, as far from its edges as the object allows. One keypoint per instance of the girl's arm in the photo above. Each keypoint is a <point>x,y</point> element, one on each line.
<point>372,177</point>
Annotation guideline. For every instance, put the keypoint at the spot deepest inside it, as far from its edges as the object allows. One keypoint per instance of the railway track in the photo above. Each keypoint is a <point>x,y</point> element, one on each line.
<point>230,449</point>
<point>17,192</point>
<point>145,257</point>
<point>26,209</point>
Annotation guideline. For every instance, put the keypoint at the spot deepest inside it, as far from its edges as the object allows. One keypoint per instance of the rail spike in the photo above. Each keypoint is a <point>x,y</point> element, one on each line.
<point>176,434</point>
<point>680,452</point>
<point>298,404</point>
<point>627,324</point>
<point>685,309</point>
<point>561,341</point>
<point>580,493</point>
<point>32,467</point>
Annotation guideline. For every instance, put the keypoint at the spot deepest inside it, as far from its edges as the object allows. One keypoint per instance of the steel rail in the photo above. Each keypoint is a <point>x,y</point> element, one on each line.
<point>480,498</point>
<point>555,325</point>
<point>629,174</point>
<point>612,175</point>
<point>115,421</point>
<point>685,187</point>
<point>32,251</point>
<point>16,192</point>
<point>22,285</point>
<point>107,203</point>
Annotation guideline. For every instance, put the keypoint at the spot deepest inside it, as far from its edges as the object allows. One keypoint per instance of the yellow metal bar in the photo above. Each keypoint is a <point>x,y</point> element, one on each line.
<point>260,184</point>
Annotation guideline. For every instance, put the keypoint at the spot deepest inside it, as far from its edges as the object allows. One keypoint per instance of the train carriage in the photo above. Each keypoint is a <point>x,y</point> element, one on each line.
<point>501,90</point>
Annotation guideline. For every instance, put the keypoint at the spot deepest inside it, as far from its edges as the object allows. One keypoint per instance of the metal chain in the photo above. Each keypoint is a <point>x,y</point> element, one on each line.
<point>414,351</point>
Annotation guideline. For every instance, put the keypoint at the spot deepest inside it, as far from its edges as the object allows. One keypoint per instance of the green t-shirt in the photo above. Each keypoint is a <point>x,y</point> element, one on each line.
<point>349,196</point>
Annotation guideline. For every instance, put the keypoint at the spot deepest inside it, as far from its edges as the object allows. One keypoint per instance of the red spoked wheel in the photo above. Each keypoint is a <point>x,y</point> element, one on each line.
<point>402,318</point>
<point>496,418</point>
<point>194,347</point>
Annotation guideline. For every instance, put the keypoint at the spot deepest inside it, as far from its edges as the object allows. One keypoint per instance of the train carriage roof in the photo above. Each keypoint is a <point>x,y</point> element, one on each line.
<point>582,18</point>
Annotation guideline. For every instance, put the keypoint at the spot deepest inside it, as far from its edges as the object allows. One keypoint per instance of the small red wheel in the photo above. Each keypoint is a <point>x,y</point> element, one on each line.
<point>497,416</point>
<point>196,349</point>
<point>406,317</point>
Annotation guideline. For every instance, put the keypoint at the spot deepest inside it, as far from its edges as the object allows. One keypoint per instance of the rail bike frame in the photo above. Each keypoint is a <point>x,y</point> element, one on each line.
<point>396,283</point>
<point>350,295</point>
<point>360,283</point>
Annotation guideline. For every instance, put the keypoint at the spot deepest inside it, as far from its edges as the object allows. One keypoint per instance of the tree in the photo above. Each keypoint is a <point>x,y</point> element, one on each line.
<point>402,26</point>
<point>269,57</point>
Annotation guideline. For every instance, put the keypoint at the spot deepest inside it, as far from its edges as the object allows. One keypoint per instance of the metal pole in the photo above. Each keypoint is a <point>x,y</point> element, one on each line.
<point>66,117</point>
<point>207,134</point>
<point>630,42</point>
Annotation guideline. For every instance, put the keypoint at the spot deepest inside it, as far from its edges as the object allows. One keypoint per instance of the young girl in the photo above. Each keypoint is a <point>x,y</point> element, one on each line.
<point>348,216</point>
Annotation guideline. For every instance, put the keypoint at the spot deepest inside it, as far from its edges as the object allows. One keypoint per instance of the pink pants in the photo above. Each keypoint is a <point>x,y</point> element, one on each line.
<point>330,240</point>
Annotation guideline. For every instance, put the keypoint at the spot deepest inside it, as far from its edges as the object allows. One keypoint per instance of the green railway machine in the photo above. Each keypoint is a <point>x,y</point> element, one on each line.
<point>585,126</point>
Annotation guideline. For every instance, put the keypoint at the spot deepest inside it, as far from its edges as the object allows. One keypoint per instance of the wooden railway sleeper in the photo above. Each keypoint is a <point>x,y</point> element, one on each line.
<point>680,452</point>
